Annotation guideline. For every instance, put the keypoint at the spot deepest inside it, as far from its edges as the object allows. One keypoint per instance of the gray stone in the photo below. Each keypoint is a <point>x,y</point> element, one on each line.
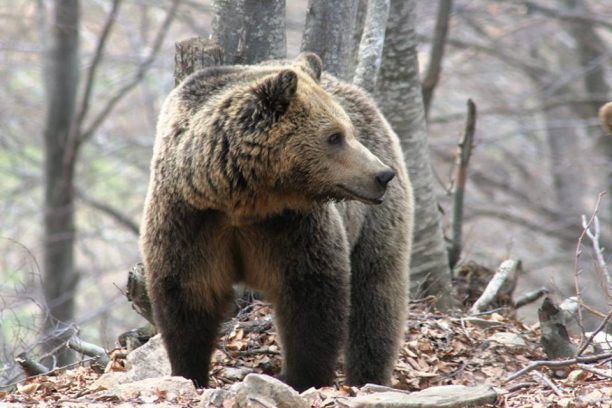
<point>509,340</point>
<point>172,386</point>
<point>148,361</point>
<point>214,397</point>
<point>446,396</point>
<point>258,389</point>
<point>235,373</point>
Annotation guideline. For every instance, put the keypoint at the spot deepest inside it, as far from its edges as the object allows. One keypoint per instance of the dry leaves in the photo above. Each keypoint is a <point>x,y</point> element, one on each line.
<point>438,350</point>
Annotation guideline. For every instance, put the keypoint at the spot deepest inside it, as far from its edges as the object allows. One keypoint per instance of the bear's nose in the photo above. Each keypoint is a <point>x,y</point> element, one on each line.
<point>383,178</point>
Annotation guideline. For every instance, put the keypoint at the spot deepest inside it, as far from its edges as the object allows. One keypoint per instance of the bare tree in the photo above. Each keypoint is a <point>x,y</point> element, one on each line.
<point>399,95</point>
<point>62,80</point>
<point>250,31</point>
<point>329,32</point>
<point>66,130</point>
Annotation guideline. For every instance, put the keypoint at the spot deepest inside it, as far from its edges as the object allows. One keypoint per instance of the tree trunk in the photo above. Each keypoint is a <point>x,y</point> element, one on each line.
<point>593,56</point>
<point>250,31</point>
<point>399,96</point>
<point>62,78</point>
<point>329,32</point>
<point>371,44</point>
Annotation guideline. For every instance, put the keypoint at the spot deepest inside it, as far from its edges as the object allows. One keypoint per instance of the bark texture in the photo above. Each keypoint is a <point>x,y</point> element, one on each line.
<point>250,31</point>
<point>62,78</point>
<point>371,45</point>
<point>399,96</point>
<point>329,33</point>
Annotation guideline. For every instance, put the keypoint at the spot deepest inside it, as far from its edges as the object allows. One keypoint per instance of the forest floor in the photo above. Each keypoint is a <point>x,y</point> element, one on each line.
<point>439,350</point>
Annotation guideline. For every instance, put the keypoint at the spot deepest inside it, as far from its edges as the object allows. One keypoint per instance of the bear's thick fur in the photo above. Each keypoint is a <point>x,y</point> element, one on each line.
<point>266,175</point>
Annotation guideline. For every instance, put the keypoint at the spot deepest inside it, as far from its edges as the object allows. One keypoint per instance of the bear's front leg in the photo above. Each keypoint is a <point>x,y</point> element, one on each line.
<point>312,301</point>
<point>189,331</point>
<point>189,283</point>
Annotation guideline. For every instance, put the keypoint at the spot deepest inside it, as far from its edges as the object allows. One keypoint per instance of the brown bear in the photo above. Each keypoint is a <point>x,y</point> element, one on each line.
<point>291,182</point>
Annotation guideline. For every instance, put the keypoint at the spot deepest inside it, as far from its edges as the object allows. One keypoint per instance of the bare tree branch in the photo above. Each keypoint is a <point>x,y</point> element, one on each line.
<point>140,74</point>
<point>112,212</point>
<point>95,62</point>
<point>432,75</point>
<point>463,159</point>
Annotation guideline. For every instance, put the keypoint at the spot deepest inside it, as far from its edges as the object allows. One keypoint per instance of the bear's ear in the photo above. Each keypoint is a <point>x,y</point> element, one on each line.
<point>276,92</point>
<point>311,64</point>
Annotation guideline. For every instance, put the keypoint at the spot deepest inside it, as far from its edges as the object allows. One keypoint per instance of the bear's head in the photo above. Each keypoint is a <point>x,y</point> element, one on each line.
<point>277,140</point>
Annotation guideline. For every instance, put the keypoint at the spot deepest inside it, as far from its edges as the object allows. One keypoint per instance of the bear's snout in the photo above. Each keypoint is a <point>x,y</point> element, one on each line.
<point>383,178</point>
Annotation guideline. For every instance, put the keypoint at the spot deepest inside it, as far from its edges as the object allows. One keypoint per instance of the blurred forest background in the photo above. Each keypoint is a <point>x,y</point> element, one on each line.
<point>538,71</point>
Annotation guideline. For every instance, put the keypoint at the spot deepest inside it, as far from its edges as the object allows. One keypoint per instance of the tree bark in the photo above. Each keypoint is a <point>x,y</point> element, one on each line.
<point>62,78</point>
<point>371,44</point>
<point>329,33</point>
<point>592,53</point>
<point>399,96</point>
<point>250,31</point>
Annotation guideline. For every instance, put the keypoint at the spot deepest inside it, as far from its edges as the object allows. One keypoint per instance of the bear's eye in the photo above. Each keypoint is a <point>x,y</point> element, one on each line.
<point>335,139</point>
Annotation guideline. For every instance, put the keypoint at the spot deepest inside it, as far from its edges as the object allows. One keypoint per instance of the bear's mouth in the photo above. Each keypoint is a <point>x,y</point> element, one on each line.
<point>355,195</point>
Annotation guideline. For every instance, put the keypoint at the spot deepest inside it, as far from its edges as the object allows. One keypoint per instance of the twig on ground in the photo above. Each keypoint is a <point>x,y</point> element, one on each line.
<point>595,371</point>
<point>548,382</point>
<point>589,340</point>
<point>558,363</point>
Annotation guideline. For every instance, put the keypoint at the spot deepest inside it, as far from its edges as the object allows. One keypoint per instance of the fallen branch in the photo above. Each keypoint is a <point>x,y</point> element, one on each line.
<point>91,350</point>
<point>589,340</point>
<point>548,382</point>
<point>30,367</point>
<point>530,297</point>
<point>502,284</point>
<point>595,371</point>
<point>558,364</point>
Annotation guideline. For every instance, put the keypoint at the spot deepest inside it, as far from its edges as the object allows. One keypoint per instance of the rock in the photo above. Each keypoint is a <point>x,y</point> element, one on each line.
<point>602,342</point>
<point>258,389</point>
<point>235,373</point>
<point>175,386</point>
<point>446,396</point>
<point>215,397</point>
<point>509,340</point>
<point>148,361</point>
<point>311,395</point>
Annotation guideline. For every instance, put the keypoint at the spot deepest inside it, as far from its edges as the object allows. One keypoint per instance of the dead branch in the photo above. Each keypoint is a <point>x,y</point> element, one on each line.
<point>593,232</point>
<point>558,364</point>
<point>465,146</point>
<point>29,366</point>
<point>143,68</point>
<point>530,297</point>
<point>599,328</point>
<point>577,271</point>
<point>112,212</point>
<point>555,338</point>
<point>371,44</point>
<point>434,67</point>
<point>502,284</point>
<point>595,371</point>
<point>91,350</point>
<point>547,382</point>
